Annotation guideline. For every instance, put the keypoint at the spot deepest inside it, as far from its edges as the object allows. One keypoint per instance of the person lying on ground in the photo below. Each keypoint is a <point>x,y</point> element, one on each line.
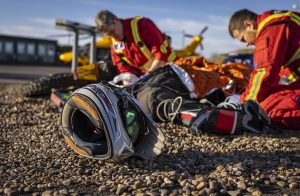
<point>170,101</point>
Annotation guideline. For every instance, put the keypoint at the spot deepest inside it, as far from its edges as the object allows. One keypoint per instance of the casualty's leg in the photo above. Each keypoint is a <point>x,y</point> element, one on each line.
<point>249,117</point>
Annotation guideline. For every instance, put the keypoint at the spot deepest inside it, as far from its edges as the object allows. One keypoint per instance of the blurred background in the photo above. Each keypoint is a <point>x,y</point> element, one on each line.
<point>36,18</point>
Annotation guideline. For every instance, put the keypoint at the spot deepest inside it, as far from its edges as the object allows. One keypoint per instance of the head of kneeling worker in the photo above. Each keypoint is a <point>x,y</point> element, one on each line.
<point>109,24</point>
<point>243,26</point>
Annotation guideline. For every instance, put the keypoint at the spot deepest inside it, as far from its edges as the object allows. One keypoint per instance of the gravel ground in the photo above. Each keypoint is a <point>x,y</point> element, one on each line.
<point>36,161</point>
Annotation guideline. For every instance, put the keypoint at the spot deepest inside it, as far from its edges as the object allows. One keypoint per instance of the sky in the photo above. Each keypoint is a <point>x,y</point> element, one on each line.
<point>36,18</point>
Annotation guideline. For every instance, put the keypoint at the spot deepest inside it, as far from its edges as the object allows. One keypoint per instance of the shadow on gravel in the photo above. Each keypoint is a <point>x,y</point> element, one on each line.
<point>196,162</point>
<point>249,165</point>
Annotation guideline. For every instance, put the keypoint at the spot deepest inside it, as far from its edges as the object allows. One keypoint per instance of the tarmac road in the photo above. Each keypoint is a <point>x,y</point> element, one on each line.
<point>15,74</point>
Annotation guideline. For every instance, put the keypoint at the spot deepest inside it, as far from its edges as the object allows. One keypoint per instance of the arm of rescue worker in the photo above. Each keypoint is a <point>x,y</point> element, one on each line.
<point>123,67</point>
<point>156,64</point>
<point>156,42</point>
<point>270,51</point>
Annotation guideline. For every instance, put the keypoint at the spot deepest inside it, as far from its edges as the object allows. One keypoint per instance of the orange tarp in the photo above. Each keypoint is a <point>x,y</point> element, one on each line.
<point>207,75</point>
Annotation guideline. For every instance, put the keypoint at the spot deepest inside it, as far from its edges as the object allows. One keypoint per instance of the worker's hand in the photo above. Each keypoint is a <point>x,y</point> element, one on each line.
<point>125,79</point>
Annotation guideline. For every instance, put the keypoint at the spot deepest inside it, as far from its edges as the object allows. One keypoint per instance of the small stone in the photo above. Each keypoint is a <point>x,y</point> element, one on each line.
<point>174,193</point>
<point>194,182</point>
<point>164,192</point>
<point>234,193</point>
<point>183,182</point>
<point>138,185</point>
<point>203,192</point>
<point>121,188</point>
<point>9,191</point>
<point>209,191</point>
<point>281,183</point>
<point>27,189</point>
<point>266,182</point>
<point>67,182</point>
<point>63,192</point>
<point>223,192</point>
<point>47,193</point>
<point>168,181</point>
<point>241,185</point>
<point>251,189</point>
<point>293,185</point>
<point>257,193</point>
<point>213,185</point>
<point>102,188</point>
<point>201,185</point>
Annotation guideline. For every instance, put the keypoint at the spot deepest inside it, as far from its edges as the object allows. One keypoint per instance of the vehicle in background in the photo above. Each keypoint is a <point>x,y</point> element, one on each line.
<point>27,50</point>
<point>102,52</point>
<point>190,49</point>
<point>246,59</point>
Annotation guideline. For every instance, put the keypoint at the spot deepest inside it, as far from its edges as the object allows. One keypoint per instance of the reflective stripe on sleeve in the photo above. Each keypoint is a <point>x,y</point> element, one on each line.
<point>256,84</point>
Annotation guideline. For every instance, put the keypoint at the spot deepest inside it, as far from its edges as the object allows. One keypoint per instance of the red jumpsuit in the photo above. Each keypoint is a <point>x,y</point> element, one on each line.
<point>143,43</point>
<point>277,53</point>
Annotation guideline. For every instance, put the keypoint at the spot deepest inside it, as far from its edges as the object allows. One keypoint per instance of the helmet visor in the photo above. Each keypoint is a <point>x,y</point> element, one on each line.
<point>132,124</point>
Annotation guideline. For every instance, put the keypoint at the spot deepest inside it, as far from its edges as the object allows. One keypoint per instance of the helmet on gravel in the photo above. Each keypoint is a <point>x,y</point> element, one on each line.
<point>104,122</point>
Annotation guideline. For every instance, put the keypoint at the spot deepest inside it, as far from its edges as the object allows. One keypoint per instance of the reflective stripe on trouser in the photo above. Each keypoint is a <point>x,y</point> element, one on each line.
<point>293,76</point>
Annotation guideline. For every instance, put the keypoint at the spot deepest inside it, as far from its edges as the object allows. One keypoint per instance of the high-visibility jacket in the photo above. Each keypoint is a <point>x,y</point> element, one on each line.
<point>277,50</point>
<point>143,43</point>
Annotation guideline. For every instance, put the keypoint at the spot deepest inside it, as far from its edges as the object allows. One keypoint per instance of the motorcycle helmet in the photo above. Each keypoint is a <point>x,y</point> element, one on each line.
<point>104,122</point>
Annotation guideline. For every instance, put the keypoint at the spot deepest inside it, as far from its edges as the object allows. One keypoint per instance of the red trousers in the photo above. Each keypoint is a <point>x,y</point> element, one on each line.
<point>282,107</point>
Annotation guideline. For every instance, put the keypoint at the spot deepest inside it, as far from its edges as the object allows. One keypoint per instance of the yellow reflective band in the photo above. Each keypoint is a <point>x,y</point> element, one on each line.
<point>293,17</point>
<point>172,56</point>
<point>256,84</point>
<point>293,77</point>
<point>294,57</point>
<point>163,47</point>
<point>137,40</point>
<point>127,61</point>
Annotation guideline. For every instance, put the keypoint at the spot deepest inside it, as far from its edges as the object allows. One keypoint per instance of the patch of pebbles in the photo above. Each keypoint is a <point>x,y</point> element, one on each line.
<point>36,161</point>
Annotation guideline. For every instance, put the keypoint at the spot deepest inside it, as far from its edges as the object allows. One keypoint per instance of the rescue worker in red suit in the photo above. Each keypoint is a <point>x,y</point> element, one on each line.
<point>138,46</point>
<point>275,35</point>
